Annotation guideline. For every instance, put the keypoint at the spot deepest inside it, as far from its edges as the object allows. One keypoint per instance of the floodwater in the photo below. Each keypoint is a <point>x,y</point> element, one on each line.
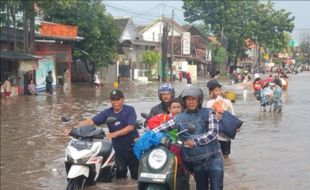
<point>271,151</point>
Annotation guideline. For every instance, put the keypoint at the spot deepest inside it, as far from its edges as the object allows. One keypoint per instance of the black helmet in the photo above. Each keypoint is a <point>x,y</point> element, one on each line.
<point>193,91</point>
<point>166,87</point>
<point>212,84</point>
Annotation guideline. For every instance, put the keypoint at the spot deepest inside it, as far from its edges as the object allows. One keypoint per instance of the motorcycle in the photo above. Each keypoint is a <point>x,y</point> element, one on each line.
<point>88,160</point>
<point>160,167</point>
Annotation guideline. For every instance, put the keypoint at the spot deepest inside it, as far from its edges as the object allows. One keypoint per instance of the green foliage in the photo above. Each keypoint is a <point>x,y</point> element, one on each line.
<point>300,59</point>
<point>98,28</point>
<point>278,61</point>
<point>235,21</point>
<point>219,57</point>
<point>305,48</point>
<point>305,52</point>
<point>150,58</point>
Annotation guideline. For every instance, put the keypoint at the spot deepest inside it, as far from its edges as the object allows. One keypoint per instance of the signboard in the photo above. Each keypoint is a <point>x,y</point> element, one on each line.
<point>186,43</point>
<point>192,69</point>
<point>59,30</point>
<point>25,66</point>
<point>44,65</point>
<point>293,43</point>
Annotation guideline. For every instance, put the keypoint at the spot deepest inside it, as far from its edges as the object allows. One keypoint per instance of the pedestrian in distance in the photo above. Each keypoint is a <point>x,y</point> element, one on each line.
<point>220,104</point>
<point>66,78</point>
<point>32,88</point>
<point>277,93</point>
<point>49,82</point>
<point>165,94</point>
<point>257,86</point>
<point>188,78</point>
<point>122,133</point>
<point>6,87</point>
<point>266,97</point>
<point>201,152</point>
<point>180,76</point>
<point>96,80</point>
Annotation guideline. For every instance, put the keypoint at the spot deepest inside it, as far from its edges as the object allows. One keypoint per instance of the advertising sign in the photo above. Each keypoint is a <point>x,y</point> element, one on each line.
<point>186,44</point>
<point>53,29</point>
<point>44,65</point>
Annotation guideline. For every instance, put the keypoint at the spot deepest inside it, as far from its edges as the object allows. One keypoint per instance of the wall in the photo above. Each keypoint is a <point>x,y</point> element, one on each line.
<point>157,30</point>
<point>108,74</point>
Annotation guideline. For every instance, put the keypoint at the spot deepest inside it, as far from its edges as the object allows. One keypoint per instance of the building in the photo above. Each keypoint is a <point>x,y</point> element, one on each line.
<point>131,49</point>
<point>189,46</point>
<point>15,64</point>
<point>54,43</point>
<point>52,52</point>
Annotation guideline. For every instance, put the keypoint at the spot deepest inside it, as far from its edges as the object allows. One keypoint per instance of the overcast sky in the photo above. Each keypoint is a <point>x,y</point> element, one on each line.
<point>144,12</point>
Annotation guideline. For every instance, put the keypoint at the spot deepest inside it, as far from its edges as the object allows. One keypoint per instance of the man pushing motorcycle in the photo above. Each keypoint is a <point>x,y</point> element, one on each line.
<point>122,133</point>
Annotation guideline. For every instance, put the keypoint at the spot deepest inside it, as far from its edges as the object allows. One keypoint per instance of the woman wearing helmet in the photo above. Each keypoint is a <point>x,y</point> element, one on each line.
<point>201,152</point>
<point>165,94</point>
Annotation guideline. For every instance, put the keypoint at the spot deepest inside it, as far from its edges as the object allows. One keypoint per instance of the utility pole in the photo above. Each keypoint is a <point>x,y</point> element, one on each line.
<point>164,49</point>
<point>160,64</point>
<point>172,46</point>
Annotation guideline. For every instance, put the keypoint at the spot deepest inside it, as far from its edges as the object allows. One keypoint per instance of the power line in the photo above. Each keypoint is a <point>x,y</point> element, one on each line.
<point>127,9</point>
<point>148,13</point>
<point>175,8</point>
<point>132,12</point>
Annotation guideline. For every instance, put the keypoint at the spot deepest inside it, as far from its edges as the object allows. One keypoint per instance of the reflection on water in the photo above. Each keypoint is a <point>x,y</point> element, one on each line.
<point>271,151</point>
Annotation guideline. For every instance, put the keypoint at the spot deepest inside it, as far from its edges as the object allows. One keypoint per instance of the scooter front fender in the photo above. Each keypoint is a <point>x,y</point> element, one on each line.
<point>78,170</point>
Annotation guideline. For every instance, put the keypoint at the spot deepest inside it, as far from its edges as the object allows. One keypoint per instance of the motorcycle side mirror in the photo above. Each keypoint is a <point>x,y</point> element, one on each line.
<point>145,115</point>
<point>65,119</point>
<point>110,120</point>
<point>138,124</point>
<point>191,129</point>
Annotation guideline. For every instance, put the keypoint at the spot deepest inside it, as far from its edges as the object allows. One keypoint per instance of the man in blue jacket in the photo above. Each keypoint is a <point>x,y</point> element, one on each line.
<point>201,152</point>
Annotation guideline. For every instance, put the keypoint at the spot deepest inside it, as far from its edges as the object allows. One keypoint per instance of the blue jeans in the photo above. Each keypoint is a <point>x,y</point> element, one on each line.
<point>211,174</point>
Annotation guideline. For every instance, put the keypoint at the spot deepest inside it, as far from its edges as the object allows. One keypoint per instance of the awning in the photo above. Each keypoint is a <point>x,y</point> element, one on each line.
<point>42,37</point>
<point>18,55</point>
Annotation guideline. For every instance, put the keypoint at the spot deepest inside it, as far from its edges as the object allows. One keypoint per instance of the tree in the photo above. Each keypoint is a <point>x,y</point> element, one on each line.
<point>9,12</point>
<point>150,58</point>
<point>271,28</point>
<point>98,29</point>
<point>219,58</point>
<point>305,51</point>
<point>235,21</point>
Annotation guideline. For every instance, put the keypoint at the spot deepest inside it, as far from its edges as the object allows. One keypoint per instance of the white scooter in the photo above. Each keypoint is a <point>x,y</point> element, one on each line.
<point>87,160</point>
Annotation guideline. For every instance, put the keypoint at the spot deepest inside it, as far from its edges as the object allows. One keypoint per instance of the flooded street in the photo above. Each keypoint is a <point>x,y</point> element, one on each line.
<point>271,152</point>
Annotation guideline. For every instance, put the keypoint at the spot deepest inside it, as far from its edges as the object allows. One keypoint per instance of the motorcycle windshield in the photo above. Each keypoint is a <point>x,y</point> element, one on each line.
<point>82,132</point>
<point>81,145</point>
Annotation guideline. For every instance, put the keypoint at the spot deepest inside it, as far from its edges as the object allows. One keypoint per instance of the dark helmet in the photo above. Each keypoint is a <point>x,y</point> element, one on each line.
<point>166,87</point>
<point>212,84</point>
<point>193,91</point>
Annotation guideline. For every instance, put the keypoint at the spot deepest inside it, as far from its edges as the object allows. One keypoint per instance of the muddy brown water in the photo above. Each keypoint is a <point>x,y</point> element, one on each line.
<point>270,153</point>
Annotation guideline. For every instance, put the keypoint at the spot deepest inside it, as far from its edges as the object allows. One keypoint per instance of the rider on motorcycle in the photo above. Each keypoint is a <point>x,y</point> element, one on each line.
<point>165,94</point>
<point>201,152</point>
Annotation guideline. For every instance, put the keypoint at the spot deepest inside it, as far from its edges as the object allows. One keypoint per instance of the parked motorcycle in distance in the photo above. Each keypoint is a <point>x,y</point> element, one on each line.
<point>89,157</point>
<point>161,168</point>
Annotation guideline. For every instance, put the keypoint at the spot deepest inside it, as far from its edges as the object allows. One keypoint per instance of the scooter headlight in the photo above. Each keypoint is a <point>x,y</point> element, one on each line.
<point>157,158</point>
